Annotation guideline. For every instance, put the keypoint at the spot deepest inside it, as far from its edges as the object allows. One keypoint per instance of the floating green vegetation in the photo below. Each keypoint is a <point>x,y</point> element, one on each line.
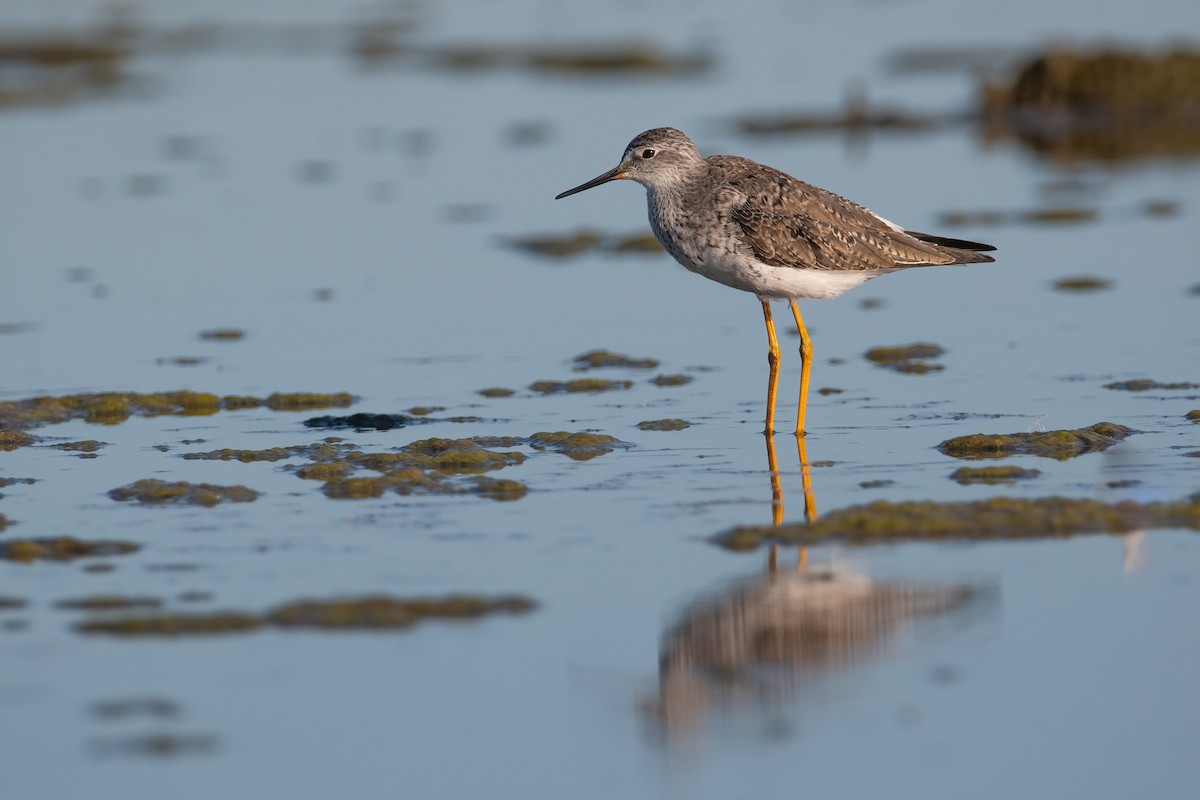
<point>671,380</point>
<point>584,240</point>
<point>1082,283</point>
<point>307,401</point>
<point>12,439</point>
<point>580,446</point>
<point>223,334</point>
<point>1194,416</point>
<point>599,359</point>
<point>499,488</point>
<point>108,602</point>
<point>381,611</point>
<point>912,359</point>
<point>246,456</point>
<point>997,518</point>
<point>153,491</point>
<point>374,612</point>
<point>497,391</point>
<point>1108,104</point>
<point>1144,385</point>
<point>111,408</point>
<point>173,624</point>
<point>578,386</point>
<point>424,411</point>
<point>1059,445</point>
<point>62,548</point>
<point>992,475</point>
<point>664,424</point>
<point>87,446</point>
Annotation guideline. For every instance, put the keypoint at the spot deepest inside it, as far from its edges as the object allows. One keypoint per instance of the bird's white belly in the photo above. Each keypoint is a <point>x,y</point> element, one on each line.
<point>747,273</point>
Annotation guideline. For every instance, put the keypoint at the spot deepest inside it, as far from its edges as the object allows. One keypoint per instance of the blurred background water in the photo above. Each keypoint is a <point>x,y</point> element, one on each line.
<point>348,184</point>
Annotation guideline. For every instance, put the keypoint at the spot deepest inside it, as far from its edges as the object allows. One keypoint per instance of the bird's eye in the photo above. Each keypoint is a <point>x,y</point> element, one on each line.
<point>647,153</point>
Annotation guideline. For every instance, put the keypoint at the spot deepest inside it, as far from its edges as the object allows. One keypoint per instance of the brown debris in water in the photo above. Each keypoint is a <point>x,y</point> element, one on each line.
<point>992,475</point>
<point>111,408</point>
<point>152,491</point>
<point>1059,445</point>
<point>108,602</point>
<point>911,359</point>
<point>999,518</point>
<point>664,424</point>
<point>568,245</point>
<point>62,548</point>
<point>578,386</point>
<point>373,612</point>
<point>1193,415</point>
<point>1145,385</point>
<point>497,391</point>
<point>1082,283</point>
<point>599,359</point>
<point>223,334</point>
<point>1107,104</point>
<point>12,439</point>
<point>671,380</point>
<point>87,446</point>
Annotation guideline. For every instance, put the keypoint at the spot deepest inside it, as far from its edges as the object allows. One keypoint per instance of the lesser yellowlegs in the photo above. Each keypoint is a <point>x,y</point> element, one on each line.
<point>757,229</point>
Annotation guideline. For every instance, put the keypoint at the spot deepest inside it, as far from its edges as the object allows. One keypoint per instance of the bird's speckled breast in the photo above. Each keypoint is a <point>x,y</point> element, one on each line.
<point>708,245</point>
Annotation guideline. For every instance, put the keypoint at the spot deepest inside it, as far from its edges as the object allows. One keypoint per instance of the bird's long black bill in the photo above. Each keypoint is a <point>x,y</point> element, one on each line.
<point>614,174</point>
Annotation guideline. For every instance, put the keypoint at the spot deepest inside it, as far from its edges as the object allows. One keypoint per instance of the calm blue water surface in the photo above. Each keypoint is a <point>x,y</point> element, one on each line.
<point>391,277</point>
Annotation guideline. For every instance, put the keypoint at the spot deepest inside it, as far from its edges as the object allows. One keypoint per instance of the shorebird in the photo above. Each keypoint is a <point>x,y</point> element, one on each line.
<point>760,230</point>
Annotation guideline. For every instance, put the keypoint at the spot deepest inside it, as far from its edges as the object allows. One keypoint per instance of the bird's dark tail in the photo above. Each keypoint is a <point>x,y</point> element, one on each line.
<point>965,251</point>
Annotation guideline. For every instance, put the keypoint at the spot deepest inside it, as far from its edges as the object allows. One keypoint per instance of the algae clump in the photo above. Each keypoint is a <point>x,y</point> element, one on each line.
<point>997,518</point>
<point>664,424</point>
<point>992,475</point>
<point>1059,445</point>
<point>154,491</point>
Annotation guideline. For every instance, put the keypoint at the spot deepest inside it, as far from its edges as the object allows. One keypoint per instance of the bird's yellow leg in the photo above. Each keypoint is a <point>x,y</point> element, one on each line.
<point>810,503</point>
<point>806,351</point>
<point>776,485</point>
<point>773,360</point>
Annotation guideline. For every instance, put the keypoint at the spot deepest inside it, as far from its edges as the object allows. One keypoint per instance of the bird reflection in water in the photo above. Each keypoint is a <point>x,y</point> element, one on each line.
<point>765,637</point>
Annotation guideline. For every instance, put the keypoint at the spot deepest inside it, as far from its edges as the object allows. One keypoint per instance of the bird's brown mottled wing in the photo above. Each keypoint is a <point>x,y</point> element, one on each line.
<point>789,223</point>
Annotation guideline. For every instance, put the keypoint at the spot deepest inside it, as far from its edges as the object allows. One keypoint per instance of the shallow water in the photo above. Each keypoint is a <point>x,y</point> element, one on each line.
<point>355,221</point>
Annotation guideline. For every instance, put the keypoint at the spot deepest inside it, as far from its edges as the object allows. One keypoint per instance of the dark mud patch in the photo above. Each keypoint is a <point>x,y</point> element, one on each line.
<point>881,483</point>
<point>1081,284</point>
<point>12,603</point>
<point>579,386</point>
<point>363,422</point>
<point>375,612</point>
<point>1059,445</point>
<point>992,475</point>
<point>911,359</point>
<point>1145,385</point>
<point>664,424</point>
<point>152,491</point>
<point>601,359</point>
<point>1106,104</point>
<point>671,380</point>
<point>63,548</point>
<point>576,243</point>
<point>994,519</point>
